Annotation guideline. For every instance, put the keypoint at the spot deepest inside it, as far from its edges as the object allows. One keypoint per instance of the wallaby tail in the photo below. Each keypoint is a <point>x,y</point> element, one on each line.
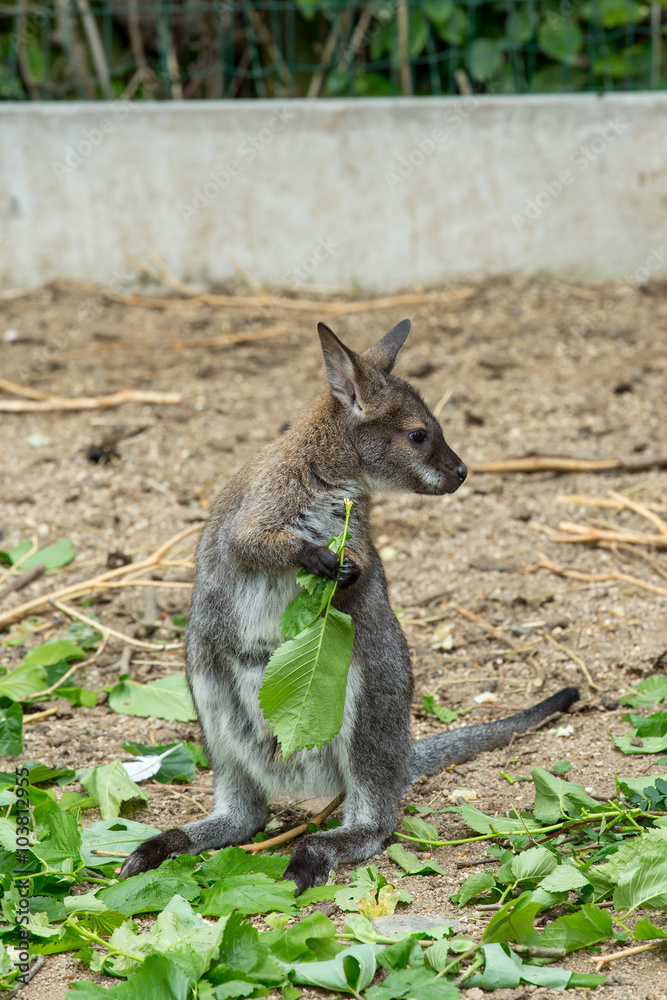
<point>435,752</point>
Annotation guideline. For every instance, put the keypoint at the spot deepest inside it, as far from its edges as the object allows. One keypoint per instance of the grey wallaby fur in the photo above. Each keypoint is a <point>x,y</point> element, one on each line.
<point>366,431</point>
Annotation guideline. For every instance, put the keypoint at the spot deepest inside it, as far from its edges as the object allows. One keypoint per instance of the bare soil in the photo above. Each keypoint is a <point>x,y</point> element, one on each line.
<point>530,366</point>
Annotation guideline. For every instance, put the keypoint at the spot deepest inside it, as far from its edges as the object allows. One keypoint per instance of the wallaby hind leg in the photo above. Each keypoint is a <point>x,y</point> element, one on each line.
<point>240,811</point>
<point>366,829</point>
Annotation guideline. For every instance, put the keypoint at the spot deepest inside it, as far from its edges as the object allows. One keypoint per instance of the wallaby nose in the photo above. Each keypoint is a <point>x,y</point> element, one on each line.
<point>461,472</point>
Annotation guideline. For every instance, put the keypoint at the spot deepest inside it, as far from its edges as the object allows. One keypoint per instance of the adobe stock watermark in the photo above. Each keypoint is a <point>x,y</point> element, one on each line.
<point>246,152</point>
<point>92,138</point>
<point>655,261</point>
<point>581,159</point>
<point>21,955</point>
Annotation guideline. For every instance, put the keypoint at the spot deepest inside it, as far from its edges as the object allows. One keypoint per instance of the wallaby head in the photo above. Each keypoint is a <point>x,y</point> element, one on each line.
<point>399,443</point>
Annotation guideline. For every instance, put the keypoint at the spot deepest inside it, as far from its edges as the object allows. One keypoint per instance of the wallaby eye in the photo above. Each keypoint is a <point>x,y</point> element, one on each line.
<point>417,436</point>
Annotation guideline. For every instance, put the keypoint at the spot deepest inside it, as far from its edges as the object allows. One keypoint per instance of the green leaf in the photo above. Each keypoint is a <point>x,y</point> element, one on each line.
<point>160,977</point>
<point>648,693</point>
<point>111,786</point>
<point>310,939</point>
<point>50,653</point>
<point>242,950</point>
<point>486,57</point>
<point>248,894</point>
<point>11,731</point>
<point>64,840</point>
<point>51,557</point>
<point>503,969</point>
<point>556,799</point>
<point>640,869</point>
<point>535,863</point>
<point>438,11</point>
<point>351,971</point>
<point>149,892</point>
<point>419,983</point>
<point>474,885</point>
<point>444,714</point>
<point>561,38</point>
<point>303,692</point>
<point>411,864</point>
<point>645,930</point>
<point>481,823</point>
<point>587,926</point>
<point>563,878</point>
<point>455,29</point>
<point>235,861</point>
<point>514,922</point>
<point>520,25</point>
<point>23,681</point>
<point>303,609</point>
<point>122,835</point>
<point>424,832</point>
<point>167,698</point>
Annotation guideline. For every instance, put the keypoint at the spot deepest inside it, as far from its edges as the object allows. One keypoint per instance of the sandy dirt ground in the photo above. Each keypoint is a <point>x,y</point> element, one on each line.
<point>519,367</point>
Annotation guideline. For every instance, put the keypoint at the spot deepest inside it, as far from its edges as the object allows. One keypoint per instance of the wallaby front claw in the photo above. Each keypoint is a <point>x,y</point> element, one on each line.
<point>348,573</point>
<point>321,561</point>
<point>154,851</point>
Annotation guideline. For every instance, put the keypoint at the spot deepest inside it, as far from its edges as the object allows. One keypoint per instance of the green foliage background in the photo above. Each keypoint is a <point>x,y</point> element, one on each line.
<point>151,49</point>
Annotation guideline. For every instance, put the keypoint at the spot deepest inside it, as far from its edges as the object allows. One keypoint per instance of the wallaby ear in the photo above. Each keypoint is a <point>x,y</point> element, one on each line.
<point>383,354</point>
<point>343,370</point>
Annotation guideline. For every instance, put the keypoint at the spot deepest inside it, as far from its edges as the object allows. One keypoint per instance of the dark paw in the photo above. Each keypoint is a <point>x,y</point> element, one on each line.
<point>153,852</point>
<point>321,561</point>
<point>309,865</point>
<point>348,572</point>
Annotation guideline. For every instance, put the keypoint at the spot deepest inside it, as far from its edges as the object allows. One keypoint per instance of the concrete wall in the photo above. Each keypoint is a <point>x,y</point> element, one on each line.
<point>370,194</point>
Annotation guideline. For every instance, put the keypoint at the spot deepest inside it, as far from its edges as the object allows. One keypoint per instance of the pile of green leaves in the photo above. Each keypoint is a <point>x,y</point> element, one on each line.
<point>303,692</point>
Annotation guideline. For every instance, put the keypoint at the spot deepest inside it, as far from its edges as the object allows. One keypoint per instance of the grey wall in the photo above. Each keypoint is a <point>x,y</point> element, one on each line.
<point>370,194</point>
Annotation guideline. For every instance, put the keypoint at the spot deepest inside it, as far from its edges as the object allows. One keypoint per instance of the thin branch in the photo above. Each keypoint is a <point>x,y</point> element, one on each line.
<point>96,47</point>
<point>614,574</point>
<point>270,302</point>
<point>66,676</point>
<point>106,631</point>
<point>578,660</point>
<point>78,589</point>
<point>626,952</point>
<point>544,464</point>
<point>295,831</point>
<point>90,402</point>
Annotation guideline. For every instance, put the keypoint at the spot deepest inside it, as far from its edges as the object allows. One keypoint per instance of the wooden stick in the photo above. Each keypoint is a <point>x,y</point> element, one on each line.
<point>295,831</point>
<point>478,620</point>
<point>106,631</point>
<point>22,580</point>
<point>626,952</point>
<point>641,509</point>
<point>544,464</point>
<point>270,301</point>
<point>66,676</point>
<point>77,589</point>
<point>224,340</point>
<point>90,402</point>
<point>578,660</point>
<point>614,574</point>
<point>39,962</point>
<point>580,533</point>
<point>22,390</point>
<point>263,845</point>
<point>38,716</point>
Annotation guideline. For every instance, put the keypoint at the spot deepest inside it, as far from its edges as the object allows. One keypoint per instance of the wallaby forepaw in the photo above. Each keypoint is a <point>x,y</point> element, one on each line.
<point>348,572</point>
<point>153,852</point>
<point>321,561</point>
<point>309,865</point>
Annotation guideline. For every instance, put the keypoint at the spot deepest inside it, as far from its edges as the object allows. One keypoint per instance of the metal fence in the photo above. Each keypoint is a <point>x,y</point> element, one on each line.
<point>151,49</point>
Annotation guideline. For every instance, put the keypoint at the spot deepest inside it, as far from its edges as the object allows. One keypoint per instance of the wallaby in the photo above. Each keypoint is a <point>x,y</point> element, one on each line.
<point>367,431</point>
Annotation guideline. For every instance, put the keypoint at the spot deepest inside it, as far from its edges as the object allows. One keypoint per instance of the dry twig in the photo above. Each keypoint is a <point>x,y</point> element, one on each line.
<point>89,402</point>
<point>626,952</point>
<point>545,464</point>
<point>160,647</point>
<point>270,302</point>
<point>614,574</point>
<point>78,589</point>
<point>578,660</point>
<point>295,831</point>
